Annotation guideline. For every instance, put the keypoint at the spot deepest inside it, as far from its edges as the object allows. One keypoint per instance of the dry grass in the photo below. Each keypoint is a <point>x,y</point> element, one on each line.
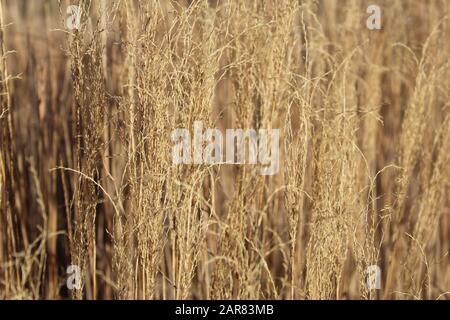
<point>86,176</point>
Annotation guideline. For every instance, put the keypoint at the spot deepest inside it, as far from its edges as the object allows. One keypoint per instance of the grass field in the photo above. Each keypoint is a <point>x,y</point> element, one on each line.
<point>87,179</point>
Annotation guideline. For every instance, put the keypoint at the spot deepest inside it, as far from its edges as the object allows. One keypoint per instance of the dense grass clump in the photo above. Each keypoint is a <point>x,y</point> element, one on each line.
<point>86,176</point>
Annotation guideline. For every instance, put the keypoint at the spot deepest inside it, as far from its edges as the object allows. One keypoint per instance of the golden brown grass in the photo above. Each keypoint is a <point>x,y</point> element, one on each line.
<point>86,176</point>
